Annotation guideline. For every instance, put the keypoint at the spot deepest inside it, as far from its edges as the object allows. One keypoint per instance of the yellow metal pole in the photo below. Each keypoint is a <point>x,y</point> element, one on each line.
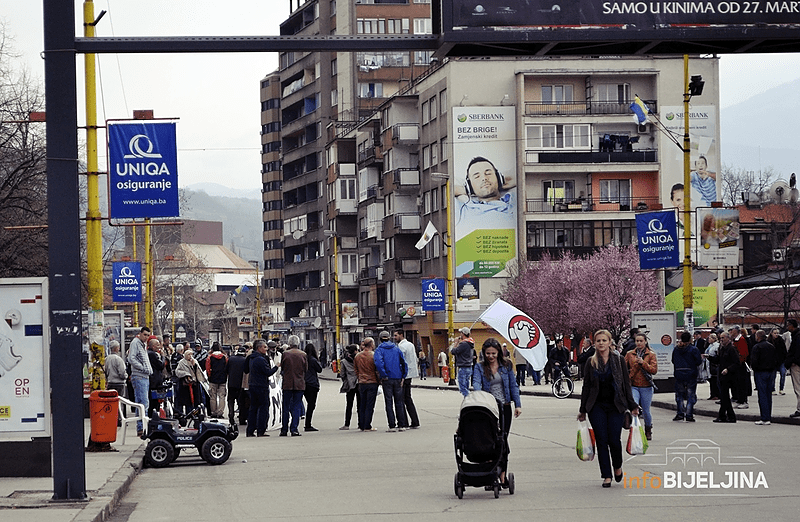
<point>336,296</point>
<point>94,236</point>
<point>148,301</point>
<point>133,254</point>
<point>687,203</point>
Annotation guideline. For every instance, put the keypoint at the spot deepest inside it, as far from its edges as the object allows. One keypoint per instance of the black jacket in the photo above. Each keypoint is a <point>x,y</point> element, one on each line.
<point>728,360</point>
<point>314,368</point>
<point>157,377</point>
<point>764,357</point>
<point>260,370</point>
<point>235,370</point>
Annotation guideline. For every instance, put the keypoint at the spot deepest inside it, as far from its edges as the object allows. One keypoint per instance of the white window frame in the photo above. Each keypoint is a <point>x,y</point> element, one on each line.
<point>609,186</point>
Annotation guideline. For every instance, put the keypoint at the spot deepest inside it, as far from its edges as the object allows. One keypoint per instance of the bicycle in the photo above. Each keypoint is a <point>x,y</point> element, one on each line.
<point>562,384</point>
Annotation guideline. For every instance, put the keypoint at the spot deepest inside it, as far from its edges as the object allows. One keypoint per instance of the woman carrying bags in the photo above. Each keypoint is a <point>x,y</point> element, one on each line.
<point>605,397</point>
<point>642,365</point>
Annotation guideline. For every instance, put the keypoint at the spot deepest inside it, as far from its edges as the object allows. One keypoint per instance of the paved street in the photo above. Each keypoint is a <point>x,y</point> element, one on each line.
<point>335,475</point>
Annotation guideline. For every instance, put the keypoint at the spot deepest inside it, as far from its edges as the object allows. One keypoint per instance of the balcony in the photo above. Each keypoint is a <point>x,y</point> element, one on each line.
<point>412,266</point>
<point>405,133</point>
<point>407,222</point>
<point>371,314</point>
<point>583,108</point>
<point>637,156</point>
<point>348,279</point>
<point>591,205</point>
<point>406,178</point>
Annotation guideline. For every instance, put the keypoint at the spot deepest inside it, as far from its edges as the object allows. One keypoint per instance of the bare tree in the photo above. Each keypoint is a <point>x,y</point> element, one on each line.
<point>23,187</point>
<point>738,183</point>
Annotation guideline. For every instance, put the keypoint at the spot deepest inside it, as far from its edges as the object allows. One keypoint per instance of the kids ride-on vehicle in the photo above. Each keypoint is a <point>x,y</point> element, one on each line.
<point>167,438</point>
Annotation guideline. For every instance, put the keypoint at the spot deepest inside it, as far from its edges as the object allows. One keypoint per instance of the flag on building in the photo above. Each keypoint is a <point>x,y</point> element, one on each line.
<point>241,288</point>
<point>430,231</point>
<point>640,110</point>
<point>520,330</point>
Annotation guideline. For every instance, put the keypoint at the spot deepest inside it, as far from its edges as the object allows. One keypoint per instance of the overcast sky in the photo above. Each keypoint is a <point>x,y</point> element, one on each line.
<point>216,96</point>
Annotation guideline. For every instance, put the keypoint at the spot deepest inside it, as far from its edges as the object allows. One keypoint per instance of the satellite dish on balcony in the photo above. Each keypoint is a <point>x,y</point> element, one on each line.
<point>317,322</point>
<point>298,234</point>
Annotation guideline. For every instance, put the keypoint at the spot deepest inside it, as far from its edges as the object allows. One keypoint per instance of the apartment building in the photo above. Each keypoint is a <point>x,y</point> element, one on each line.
<point>320,93</point>
<point>573,165</point>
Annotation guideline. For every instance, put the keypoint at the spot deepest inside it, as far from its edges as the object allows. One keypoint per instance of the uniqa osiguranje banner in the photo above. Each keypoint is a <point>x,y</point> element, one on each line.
<point>657,234</point>
<point>143,170</point>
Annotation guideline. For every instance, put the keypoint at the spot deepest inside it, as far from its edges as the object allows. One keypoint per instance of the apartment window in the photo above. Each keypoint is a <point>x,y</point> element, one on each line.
<point>422,1</point>
<point>390,293</point>
<point>556,93</point>
<point>426,203</point>
<point>443,149</point>
<point>348,263</point>
<point>422,57</point>
<point>422,26</point>
<point>615,191</point>
<point>558,190</point>
<point>614,92</point>
<point>397,26</point>
<point>445,195</point>
<point>370,90</point>
<point>557,136</point>
<point>435,199</point>
<point>390,248</point>
<point>334,97</point>
<point>426,157</point>
<point>443,101</point>
<point>347,187</point>
<point>434,153</point>
<point>334,67</point>
<point>436,247</point>
<point>432,103</point>
<point>333,7</point>
<point>371,26</point>
<point>388,204</point>
<point>426,113</point>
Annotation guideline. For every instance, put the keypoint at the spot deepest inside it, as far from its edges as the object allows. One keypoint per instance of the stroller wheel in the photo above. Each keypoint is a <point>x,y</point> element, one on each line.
<point>510,479</point>
<point>497,491</point>
<point>459,489</point>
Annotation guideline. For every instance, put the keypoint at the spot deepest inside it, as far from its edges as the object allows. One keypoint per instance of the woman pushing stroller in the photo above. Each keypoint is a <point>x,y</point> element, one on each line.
<point>495,375</point>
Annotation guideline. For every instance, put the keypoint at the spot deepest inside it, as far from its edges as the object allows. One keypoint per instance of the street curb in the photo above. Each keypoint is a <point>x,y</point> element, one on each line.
<point>108,497</point>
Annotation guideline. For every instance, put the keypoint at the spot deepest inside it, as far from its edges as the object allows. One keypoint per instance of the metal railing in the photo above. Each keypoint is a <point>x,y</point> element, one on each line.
<point>583,108</point>
<point>633,203</point>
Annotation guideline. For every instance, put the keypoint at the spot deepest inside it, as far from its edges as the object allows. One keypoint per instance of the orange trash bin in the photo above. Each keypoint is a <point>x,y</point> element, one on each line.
<point>445,374</point>
<point>103,413</point>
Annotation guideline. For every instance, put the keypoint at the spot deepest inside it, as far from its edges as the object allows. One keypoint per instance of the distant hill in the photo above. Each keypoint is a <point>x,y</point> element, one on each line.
<point>760,132</point>
<point>215,189</point>
<point>240,216</point>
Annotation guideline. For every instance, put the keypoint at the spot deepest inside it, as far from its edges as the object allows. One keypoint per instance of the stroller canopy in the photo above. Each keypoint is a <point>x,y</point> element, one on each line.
<point>481,399</point>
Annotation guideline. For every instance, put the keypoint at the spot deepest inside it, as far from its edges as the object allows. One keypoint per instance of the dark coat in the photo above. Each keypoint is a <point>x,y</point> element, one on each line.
<point>260,370</point>
<point>623,396</point>
<point>312,373</point>
<point>157,377</point>
<point>235,370</point>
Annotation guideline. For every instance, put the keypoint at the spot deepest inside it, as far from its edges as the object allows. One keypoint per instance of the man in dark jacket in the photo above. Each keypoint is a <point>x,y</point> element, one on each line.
<point>157,377</point>
<point>392,370</point>
<point>235,371</point>
<point>764,360</point>
<point>792,362</point>
<point>463,353</point>
<point>294,364</point>
<point>217,380</point>
<point>685,359</point>
<point>260,371</point>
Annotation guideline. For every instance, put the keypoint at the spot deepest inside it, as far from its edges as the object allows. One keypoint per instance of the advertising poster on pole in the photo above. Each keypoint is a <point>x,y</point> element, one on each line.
<point>485,190</point>
<point>705,188</point>
<point>143,170</point>
<point>660,328</point>
<point>24,359</point>
<point>718,233</point>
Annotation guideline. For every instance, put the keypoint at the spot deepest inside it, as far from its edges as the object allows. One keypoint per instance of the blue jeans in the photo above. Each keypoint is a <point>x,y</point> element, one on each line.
<point>782,370</point>
<point>292,404</point>
<point>643,397</point>
<point>393,396</point>
<point>537,377</point>
<point>258,416</point>
<point>141,390</point>
<point>464,378</point>
<point>686,391</point>
<point>366,407</point>
<point>607,424</point>
<point>765,383</point>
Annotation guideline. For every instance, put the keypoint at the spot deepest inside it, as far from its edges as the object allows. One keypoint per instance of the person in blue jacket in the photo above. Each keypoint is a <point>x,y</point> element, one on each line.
<point>392,370</point>
<point>495,375</point>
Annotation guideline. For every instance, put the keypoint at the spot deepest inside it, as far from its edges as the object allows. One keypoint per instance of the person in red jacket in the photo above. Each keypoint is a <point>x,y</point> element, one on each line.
<point>216,363</point>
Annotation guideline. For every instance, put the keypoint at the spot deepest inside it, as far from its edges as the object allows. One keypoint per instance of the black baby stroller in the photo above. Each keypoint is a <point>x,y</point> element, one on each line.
<point>479,445</point>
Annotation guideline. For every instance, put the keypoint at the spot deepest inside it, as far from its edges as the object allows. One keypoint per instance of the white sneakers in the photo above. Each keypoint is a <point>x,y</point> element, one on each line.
<point>742,406</point>
<point>762,423</point>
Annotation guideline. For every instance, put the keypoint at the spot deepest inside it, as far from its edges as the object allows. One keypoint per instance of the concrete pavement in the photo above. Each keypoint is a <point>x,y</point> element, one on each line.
<point>109,475</point>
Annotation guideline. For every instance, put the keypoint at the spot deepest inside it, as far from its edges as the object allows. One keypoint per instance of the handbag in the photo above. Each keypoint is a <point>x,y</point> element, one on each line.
<point>585,445</point>
<point>637,442</point>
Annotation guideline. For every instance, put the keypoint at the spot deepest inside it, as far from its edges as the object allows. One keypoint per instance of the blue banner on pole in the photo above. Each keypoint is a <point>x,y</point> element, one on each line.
<point>126,281</point>
<point>658,240</point>
<point>143,170</point>
<point>434,295</point>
